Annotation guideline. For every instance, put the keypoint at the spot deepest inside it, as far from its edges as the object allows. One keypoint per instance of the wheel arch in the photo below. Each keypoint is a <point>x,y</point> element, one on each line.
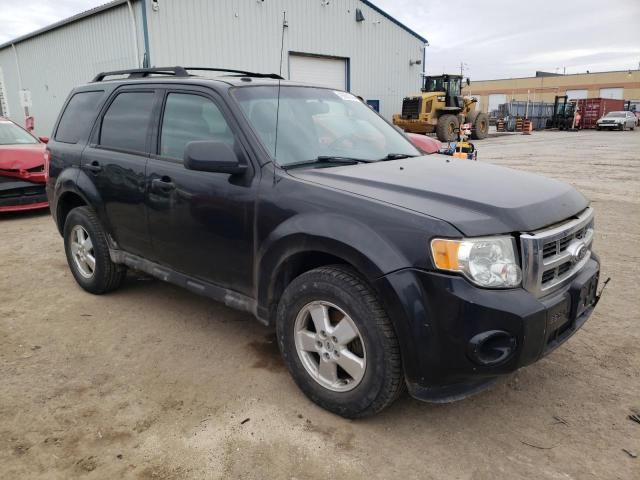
<point>292,254</point>
<point>72,193</point>
<point>67,202</point>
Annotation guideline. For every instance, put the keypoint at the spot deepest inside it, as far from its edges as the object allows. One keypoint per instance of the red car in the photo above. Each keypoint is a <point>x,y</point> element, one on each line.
<point>22,172</point>
<point>424,143</point>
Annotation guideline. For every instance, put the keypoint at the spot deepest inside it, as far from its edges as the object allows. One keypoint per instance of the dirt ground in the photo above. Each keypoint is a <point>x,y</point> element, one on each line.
<point>153,382</point>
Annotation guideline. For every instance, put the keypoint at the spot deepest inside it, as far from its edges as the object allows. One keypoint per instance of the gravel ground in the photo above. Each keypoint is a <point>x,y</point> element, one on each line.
<point>154,382</point>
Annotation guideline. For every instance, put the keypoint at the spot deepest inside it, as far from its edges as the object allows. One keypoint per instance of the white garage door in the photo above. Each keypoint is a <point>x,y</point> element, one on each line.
<point>576,94</point>
<point>496,99</point>
<point>612,93</point>
<point>324,71</point>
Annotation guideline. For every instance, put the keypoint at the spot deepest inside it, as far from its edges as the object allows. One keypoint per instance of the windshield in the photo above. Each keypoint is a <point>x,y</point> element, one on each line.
<point>317,122</point>
<point>434,84</point>
<point>11,134</point>
<point>616,114</point>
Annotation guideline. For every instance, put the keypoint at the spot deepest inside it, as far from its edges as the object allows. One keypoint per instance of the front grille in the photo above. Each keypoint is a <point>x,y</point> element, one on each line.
<point>411,108</point>
<point>552,257</point>
<point>555,247</point>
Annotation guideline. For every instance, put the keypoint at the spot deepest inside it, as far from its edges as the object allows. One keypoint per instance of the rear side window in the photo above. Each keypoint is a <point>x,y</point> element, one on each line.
<point>125,126</point>
<point>78,116</point>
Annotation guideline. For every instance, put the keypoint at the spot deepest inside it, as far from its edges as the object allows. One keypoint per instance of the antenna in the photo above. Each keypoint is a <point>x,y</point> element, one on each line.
<point>284,26</point>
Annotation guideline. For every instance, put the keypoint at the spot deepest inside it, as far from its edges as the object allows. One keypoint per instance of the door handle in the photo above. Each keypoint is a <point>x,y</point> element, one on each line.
<point>93,167</point>
<point>164,184</point>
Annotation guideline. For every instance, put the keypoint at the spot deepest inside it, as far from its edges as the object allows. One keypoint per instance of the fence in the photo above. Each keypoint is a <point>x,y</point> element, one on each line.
<point>537,112</point>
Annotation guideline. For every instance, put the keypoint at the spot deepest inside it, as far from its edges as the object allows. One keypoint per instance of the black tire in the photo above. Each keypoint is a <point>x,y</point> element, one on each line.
<point>447,128</point>
<point>480,126</point>
<point>106,275</point>
<point>383,379</point>
<point>598,128</point>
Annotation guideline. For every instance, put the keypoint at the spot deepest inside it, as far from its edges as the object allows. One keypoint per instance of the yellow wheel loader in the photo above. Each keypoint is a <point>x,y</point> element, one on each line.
<point>442,109</point>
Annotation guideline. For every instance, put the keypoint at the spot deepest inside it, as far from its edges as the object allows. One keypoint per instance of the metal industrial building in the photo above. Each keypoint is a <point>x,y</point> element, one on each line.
<point>345,44</point>
<point>623,84</point>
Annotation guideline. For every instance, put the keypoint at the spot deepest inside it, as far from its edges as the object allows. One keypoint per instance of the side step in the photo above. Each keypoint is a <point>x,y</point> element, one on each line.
<point>230,298</point>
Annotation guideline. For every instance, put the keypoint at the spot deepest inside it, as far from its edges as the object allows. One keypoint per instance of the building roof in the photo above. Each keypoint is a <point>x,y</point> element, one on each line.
<point>115,3</point>
<point>66,21</point>
<point>626,70</point>
<point>397,22</point>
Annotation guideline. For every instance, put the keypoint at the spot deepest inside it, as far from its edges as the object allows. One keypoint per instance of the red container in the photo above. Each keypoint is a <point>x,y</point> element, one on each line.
<point>592,109</point>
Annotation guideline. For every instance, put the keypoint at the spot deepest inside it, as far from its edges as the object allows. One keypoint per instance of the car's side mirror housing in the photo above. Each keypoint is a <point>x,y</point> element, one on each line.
<point>44,139</point>
<point>212,156</point>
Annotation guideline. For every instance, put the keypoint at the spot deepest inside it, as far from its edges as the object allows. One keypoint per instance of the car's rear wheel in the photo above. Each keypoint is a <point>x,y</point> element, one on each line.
<point>338,342</point>
<point>87,251</point>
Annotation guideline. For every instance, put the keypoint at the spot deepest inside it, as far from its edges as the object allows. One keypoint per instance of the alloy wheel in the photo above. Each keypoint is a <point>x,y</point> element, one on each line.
<point>82,251</point>
<point>330,346</point>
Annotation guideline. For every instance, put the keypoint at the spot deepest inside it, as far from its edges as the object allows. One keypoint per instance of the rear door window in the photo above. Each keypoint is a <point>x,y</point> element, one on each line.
<point>125,125</point>
<point>78,117</point>
<point>188,117</point>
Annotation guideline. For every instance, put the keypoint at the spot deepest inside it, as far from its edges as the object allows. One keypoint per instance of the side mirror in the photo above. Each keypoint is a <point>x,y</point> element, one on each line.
<point>44,139</point>
<point>212,156</point>
<point>468,82</point>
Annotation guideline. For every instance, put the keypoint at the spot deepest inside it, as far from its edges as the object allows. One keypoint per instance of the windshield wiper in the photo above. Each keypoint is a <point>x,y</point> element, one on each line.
<point>396,156</point>
<point>328,159</point>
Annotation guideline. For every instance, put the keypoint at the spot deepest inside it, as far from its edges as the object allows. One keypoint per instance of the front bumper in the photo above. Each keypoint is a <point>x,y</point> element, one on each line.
<point>441,320</point>
<point>17,195</point>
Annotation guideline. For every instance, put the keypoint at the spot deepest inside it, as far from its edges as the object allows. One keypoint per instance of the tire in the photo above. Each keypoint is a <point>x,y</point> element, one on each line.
<point>480,128</point>
<point>338,291</point>
<point>598,128</point>
<point>99,275</point>
<point>447,127</point>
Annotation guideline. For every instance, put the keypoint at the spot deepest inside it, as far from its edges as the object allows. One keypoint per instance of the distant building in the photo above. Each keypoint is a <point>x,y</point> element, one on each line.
<point>348,44</point>
<point>623,84</point>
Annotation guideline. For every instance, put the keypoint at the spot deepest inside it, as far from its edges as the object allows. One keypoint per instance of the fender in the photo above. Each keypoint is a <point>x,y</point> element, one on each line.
<point>354,242</point>
<point>74,180</point>
<point>57,188</point>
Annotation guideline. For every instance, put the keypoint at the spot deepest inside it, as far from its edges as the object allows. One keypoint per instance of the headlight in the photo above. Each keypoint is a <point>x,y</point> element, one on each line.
<point>486,261</point>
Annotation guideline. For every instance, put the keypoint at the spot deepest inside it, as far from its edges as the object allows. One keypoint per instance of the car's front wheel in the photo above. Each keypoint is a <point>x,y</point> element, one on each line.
<point>338,342</point>
<point>85,244</point>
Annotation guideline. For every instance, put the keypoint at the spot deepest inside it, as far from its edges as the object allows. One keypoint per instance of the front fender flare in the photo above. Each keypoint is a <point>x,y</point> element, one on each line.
<point>358,244</point>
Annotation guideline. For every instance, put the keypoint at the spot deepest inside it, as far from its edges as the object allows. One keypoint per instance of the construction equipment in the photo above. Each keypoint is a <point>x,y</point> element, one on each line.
<point>563,113</point>
<point>441,108</point>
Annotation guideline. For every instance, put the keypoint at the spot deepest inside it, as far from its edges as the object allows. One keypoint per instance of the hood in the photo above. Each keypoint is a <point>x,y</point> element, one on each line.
<point>477,198</point>
<point>22,161</point>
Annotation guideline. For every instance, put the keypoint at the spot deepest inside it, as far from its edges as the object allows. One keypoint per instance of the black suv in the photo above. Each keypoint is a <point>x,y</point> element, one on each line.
<point>378,267</point>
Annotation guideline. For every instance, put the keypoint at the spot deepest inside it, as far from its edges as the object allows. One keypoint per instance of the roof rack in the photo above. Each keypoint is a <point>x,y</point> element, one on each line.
<point>179,72</point>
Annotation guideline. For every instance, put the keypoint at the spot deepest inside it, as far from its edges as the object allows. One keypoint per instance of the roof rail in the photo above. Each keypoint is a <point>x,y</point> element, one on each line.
<point>179,72</point>
<point>143,72</point>
<point>242,73</point>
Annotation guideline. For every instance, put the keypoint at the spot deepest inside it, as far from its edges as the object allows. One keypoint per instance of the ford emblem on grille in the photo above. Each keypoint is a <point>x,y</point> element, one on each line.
<point>578,251</point>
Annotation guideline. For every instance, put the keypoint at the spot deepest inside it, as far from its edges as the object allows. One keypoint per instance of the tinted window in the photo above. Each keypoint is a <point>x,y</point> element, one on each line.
<point>78,116</point>
<point>188,118</point>
<point>126,124</point>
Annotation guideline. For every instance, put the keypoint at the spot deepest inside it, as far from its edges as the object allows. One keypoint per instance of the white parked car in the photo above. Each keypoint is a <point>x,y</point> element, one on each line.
<point>618,120</point>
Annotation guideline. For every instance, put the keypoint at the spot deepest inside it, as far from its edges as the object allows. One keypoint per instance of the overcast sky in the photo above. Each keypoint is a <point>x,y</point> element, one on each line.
<point>493,38</point>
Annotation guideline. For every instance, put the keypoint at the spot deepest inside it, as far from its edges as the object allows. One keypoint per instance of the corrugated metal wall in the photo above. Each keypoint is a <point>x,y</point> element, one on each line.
<point>54,62</point>
<point>246,34</point>
<point>243,34</point>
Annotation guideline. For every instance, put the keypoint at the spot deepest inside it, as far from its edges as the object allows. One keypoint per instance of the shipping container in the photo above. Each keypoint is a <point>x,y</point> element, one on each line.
<point>592,109</point>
